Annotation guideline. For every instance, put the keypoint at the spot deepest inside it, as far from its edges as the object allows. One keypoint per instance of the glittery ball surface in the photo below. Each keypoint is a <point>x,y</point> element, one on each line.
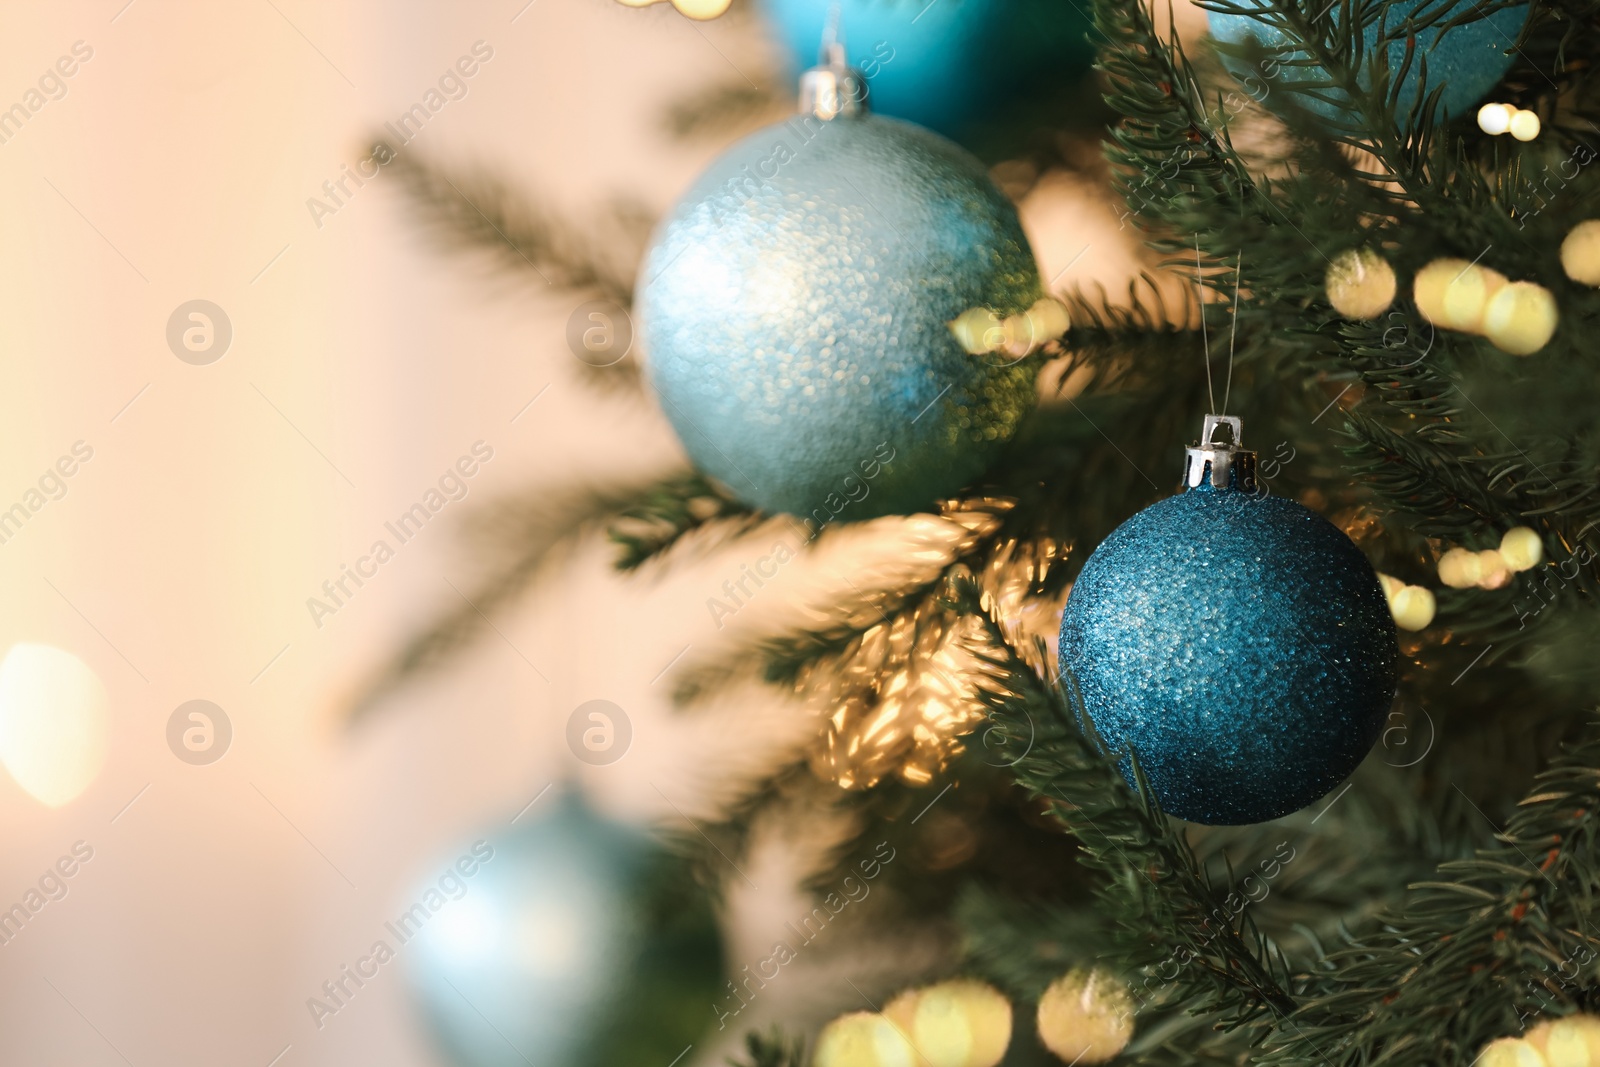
<point>947,66</point>
<point>1241,645</point>
<point>794,311</point>
<point>1468,60</point>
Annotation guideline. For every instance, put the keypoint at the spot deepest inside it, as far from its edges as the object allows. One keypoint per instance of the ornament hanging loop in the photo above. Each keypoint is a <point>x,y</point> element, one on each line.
<point>833,87</point>
<point>1221,461</point>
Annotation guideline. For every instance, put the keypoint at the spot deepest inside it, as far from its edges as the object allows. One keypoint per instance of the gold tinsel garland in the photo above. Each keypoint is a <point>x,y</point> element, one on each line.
<point>901,696</point>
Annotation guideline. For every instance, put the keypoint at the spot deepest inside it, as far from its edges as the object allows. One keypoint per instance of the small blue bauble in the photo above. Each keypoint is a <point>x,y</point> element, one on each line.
<point>795,310</point>
<point>1240,644</point>
<point>1468,60</point>
<point>543,945</point>
<point>946,63</point>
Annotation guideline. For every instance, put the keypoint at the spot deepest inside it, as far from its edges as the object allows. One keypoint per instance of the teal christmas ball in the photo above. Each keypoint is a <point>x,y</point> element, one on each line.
<point>567,940</point>
<point>1239,644</point>
<point>794,309</point>
<point>1468,60</point>
<point>946,64</point>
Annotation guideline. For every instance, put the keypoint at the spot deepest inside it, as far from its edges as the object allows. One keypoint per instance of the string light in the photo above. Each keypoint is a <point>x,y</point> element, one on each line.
<point>1497,119</point>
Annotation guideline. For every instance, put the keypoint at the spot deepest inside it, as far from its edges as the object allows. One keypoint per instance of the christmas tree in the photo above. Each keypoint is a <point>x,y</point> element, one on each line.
<point>1370,221</point>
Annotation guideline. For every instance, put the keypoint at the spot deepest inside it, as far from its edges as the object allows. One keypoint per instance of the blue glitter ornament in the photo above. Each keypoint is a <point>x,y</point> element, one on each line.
<point>554,944</point>
<point>1239,643</point>
<point>795,311</point>
<point>945,64</point>
<point>1468,60</point>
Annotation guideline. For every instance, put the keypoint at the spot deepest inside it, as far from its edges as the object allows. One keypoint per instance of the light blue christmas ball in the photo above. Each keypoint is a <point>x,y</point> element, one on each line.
<point>1240,644</point>
<point>794,309</point>
<point>551,944</point>
<point>1468,60</point>
<point>946,63</point>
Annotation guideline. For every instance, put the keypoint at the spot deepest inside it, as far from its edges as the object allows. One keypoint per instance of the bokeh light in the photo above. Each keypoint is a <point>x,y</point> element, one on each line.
<point>54,724</point>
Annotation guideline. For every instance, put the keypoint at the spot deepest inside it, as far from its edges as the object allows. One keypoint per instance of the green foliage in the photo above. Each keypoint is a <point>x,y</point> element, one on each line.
<point>476,210</point>
<point>1162,904</point>
<point>1445,896</point>
<point>517,539</point>
<point>771,1049</point>
<point>720,109</point>
<point>664,1005</point>
<point>672,510</point>
<point>1487,946</point>
<point>1472,951</point>
<point>1452,440</point>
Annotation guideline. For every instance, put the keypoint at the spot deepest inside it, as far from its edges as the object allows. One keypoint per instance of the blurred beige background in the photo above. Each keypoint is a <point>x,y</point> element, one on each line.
<point>363,362</point>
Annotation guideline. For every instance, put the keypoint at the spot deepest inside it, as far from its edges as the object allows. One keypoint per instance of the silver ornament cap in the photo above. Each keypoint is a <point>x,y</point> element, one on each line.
<point>833,87</point>
<point>1220,460</point>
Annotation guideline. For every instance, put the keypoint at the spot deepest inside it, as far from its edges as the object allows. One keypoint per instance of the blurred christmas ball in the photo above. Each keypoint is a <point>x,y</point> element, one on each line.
<point>570,941</point>
<point>1239,643</point>
<point>944,65</point>
<point>796,306</point>
<point>1086,1017</point>
<point>1467,60</point>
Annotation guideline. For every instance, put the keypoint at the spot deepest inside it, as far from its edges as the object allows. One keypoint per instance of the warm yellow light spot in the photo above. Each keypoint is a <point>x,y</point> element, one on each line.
<point>1580,253</point>
<point>1570,1042</point>
<point>1360,284</point>
<point>1085,1017</point>
<point>1521,548</point>
<point>695,9</point>
<point>1413,607</point>
<point>1495,119</point>
<point>1460,568</point>
<point>960,1023</point>
<point>863,1039</point>
<point>1492,570</point>
<point>1510,1052</point>
<point>1453,293</point>
<point>54,724</point>
<point>979,330</point>
<point>1520,318</point>
<point>701,9</point>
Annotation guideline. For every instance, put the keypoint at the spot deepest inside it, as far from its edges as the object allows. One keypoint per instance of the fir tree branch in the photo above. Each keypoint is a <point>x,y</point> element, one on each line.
<point>477,210</point>
<point>522,536</point>
<point>670,511</point>
<point>1477,953</point>
<point>719,109</point>
<point>1154,891</point>
<point>771,1049</point>
<point>1024,945</point>
<point>1544,482</point>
